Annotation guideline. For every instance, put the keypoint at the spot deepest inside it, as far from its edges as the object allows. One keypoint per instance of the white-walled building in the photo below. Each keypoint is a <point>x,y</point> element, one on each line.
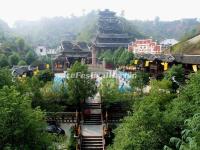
<point>43,51</point>
<point>168,42</point>
<point>144,46</point>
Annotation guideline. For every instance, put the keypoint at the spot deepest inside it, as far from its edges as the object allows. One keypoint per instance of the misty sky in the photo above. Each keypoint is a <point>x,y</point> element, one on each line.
<point>12,10</point>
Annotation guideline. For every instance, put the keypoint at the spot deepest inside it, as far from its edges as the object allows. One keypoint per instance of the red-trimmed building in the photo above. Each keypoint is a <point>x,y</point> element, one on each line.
<point>144,46</point>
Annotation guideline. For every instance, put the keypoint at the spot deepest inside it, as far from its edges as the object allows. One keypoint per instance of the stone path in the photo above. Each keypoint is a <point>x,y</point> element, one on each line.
<point>92,126</point>
<point>93,130</point>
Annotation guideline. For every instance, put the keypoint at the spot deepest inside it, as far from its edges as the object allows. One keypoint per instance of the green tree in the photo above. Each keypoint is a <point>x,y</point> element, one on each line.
<point>177,71</point>
<point>125,58</point>
<point>3,61</point>
<point>117,55</point>
<point>139,81</point>
<point>107,56</point>
<point>21,127</point>
<point>190,139</point>
<point>144,129</point>
<point>21,63</point>
<point>184,106</point>
<point>30,86</point>
<point>54,97</point>
<point>30,57</point>
<point>79,83</point>
<point>45,75</point>
<point>13,59</point>
<point>72,141</point>
<point>20,44</point>
<point>176,75</point>
<point>109,91</point>
<point>5,77</point>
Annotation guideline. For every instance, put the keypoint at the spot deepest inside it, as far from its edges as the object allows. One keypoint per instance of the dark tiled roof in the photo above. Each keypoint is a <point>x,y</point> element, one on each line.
<point>152,57</point>
<point>67,45</point>
<point>74,47</point>
<point>20,70</point>
<point>187,59</point>
<point>106,12</point>
<point>184,59</point>
<point>122,36</point>
<point>111,45</point>
<point>83,45</point>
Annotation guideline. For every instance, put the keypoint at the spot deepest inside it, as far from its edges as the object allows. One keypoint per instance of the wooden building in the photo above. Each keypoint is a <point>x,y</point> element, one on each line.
<point>191,63</point>
<point>157,64</point>
<point>71,52</point>
<point>110,34</point>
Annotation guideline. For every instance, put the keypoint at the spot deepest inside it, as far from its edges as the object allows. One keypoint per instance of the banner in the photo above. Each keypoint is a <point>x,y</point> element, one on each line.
<point>146,63</point>
<point>194,68</point>
<point>136,62</point>
<point>165,66</point>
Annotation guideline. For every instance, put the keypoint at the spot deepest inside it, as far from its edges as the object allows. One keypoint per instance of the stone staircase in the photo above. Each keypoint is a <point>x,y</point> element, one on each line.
<point>92,127</point>
<point>94,116</point>
<point>92,106</point>
<point>92,119</point>
<point>92,143</point>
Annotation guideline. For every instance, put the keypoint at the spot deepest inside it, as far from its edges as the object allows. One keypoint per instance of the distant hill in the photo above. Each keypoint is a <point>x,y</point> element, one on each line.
<point>5,30</point>
<point>160,30</point>
<point>50,31</point>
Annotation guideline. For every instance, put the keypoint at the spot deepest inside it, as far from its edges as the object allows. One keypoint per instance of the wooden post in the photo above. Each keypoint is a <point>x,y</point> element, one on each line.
<point>106,119</point>
<point>94,56</point>
<point>104,63</point>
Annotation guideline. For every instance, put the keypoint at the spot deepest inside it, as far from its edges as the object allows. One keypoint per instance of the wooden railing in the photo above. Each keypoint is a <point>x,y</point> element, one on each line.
<point>79,138</point>
<point>62,117</point>
<point>113,117</point>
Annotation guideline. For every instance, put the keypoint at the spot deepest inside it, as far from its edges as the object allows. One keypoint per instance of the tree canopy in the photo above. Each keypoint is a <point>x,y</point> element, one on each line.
<point>21,126</point>
<point>162,119</point>
<point>79,83</point>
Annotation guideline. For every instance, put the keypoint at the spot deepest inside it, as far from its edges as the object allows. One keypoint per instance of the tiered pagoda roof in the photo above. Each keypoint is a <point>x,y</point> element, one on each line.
<point>110,33</point>
<point>113,35</point>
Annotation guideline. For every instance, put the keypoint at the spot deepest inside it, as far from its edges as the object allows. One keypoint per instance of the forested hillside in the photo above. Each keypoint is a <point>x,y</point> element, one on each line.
<point>50,31</point>
<point>14,50</point>
<point>161,30</point>
<point>4,30</point>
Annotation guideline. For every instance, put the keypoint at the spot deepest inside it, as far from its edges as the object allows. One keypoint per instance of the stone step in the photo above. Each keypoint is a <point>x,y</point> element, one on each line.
<point>92,117</point>
<point>92,142</point>
<point>92,137</point>
<point>91,148</point>
<point>93,105</point>
<point>92,123</point>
